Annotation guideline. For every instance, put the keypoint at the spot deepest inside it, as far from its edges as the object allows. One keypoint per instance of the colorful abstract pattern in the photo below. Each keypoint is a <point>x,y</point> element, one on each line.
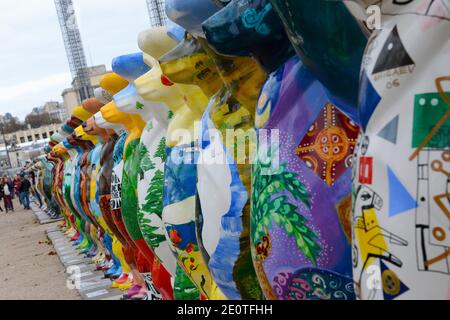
<point>328,146</point>
<point>401,213</point>
<point>313,284</point>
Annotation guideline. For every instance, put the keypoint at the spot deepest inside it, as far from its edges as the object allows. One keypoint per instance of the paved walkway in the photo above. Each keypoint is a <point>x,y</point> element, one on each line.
<point>29,268</point>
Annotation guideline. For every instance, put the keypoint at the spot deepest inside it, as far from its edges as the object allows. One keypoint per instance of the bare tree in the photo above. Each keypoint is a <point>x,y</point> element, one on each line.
<point>36,120</point>
<point>11,124</point>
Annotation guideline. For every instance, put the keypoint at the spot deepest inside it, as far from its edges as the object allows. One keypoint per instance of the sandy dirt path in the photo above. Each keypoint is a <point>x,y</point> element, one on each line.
<point>28,268</point>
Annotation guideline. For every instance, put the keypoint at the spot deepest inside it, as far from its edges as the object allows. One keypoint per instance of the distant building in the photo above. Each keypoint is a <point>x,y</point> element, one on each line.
<point>56,111</point>
<point>31,134</point>
<point>95,75</point>
<point>53,109</point>
<point>25,145</point>
<point>21,142</point>
<point>70,95</point>
<point>20,156</point>
<point>70,99</point>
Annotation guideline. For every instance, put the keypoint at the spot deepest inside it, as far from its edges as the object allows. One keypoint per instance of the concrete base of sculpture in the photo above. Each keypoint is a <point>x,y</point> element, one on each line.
<point>43,217</point>
<point>92,285</point>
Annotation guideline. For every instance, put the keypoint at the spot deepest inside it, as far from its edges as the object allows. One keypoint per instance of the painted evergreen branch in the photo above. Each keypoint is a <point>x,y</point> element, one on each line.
<point>271,204</point>
<point>150,232</point>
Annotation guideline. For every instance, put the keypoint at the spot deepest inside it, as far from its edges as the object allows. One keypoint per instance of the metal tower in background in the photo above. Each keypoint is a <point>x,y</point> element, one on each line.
<point>157,13</point>
<point>74,49</point>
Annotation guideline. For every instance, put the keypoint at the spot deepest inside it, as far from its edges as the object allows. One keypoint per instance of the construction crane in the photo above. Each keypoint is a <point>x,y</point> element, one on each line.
<point>74,49</point>
<point>157,13</point>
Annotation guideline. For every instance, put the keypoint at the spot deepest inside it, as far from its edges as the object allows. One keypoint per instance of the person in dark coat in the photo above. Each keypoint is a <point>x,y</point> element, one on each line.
<point>7,193</point>
<point>24,192</point>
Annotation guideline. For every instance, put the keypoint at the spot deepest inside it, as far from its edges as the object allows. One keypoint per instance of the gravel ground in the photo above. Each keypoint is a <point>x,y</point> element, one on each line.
<point>29,268</point>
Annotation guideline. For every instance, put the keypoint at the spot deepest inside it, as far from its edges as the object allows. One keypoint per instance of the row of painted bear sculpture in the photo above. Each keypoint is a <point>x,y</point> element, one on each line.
<point>262,149</point>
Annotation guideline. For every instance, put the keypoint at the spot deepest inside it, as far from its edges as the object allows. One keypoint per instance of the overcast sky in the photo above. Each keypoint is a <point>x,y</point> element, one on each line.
<point>33,63</point>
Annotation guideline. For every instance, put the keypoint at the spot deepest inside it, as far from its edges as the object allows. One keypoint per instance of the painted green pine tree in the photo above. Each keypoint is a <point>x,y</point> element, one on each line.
<point>153,205</point>
<point>145,164</point>
<point>161,150</point>
<point>153,201</point>
<point>270,203</point>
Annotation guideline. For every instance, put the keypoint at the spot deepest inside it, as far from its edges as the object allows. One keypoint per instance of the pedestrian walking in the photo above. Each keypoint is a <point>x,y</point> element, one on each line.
<point>16,186</point>
<point>24,192</point>
<point>10,184</point>
<point>7,195</point>
<point>1,196</point>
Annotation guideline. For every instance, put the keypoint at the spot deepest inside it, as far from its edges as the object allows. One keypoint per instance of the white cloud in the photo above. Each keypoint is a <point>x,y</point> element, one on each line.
<point>19,99</point>
<point>28,88</point>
